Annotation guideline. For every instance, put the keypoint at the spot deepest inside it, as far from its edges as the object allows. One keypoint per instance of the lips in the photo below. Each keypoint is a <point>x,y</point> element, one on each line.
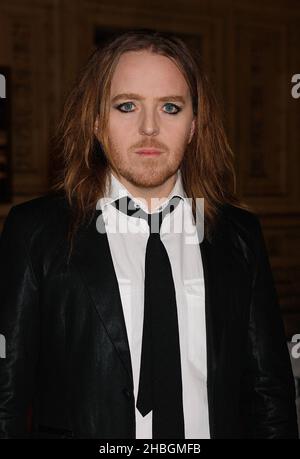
<point>148,151</point>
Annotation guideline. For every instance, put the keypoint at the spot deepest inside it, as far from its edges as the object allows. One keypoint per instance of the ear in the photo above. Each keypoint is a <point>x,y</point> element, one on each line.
<point>192,130</point>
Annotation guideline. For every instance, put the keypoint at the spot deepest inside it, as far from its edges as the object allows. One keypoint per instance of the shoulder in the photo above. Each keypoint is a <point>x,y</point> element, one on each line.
<point>36,206</point>
<point>42,212</point>
<point>243,229</point>
<point>240,218</point>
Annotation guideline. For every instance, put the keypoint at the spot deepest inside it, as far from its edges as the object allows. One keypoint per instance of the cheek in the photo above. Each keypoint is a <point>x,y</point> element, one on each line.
<point>177,133</point>
<point>114,127</point>
<point>120,128</point>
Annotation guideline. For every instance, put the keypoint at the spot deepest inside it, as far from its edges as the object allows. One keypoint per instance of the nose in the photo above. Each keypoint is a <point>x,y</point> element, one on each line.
<point>148,124</point>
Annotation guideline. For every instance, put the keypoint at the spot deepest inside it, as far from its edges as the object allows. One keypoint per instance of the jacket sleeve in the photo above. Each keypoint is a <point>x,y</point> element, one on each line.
<point>19,325</point>
<point>269,397</point>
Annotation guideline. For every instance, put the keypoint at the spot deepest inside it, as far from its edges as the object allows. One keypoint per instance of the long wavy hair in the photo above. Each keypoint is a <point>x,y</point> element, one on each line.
<point>208,164</point>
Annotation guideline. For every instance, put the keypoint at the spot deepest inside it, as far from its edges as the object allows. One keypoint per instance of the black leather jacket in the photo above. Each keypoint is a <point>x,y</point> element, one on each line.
<point>67,352</point>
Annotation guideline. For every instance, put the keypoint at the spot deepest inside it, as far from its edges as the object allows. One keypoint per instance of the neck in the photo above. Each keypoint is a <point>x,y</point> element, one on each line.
<point>152,197</point>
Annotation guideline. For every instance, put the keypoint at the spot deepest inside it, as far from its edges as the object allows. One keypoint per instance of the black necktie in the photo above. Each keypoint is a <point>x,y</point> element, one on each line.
<point>160,383</point>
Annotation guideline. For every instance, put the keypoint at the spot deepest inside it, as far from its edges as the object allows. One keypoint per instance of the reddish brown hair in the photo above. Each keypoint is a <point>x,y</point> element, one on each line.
<point>208,164</point>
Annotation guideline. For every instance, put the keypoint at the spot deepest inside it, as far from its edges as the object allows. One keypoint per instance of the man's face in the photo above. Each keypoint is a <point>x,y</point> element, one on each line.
<point>143,119</point>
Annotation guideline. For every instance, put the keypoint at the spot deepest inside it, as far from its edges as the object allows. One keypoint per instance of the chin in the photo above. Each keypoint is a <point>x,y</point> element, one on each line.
<point>147,179</point>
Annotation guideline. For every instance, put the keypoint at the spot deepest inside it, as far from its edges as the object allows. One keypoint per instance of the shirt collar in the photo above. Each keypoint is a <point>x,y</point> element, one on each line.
<point>116,190</point>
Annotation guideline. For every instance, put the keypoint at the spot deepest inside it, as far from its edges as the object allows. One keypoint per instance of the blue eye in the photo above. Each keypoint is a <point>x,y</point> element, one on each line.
<point>125,104</point>
<point>172,106</point>
<point>125,107</point>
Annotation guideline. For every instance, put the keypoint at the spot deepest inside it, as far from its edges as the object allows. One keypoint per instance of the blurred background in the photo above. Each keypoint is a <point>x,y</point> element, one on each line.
<point>250,49</point>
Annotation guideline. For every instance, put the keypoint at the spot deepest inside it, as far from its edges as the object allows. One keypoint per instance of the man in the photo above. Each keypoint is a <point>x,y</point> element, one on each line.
<point>141,333</point>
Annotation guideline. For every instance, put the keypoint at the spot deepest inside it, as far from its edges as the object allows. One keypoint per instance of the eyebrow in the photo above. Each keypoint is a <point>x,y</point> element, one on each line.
<point>131,95</point>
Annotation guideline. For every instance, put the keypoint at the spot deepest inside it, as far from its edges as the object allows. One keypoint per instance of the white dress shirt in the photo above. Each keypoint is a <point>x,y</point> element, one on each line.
<point>127,237</point>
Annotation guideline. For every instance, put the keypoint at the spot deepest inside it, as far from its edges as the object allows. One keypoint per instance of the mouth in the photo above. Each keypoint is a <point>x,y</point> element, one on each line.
<point>148,152</point>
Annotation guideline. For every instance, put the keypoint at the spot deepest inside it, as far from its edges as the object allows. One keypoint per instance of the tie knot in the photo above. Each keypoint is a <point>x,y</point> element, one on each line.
<point>154,220</point>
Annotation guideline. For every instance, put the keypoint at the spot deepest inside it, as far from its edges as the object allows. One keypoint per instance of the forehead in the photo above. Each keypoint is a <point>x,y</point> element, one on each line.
<point>148,74</point>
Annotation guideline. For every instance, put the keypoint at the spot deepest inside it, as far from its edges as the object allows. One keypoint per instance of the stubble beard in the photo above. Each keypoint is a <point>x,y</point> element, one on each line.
<point>146,172</point>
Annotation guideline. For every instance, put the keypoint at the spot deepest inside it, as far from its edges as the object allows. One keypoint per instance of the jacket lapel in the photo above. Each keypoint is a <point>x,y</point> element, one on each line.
<point>216,256</point>
<point>92,258</point>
